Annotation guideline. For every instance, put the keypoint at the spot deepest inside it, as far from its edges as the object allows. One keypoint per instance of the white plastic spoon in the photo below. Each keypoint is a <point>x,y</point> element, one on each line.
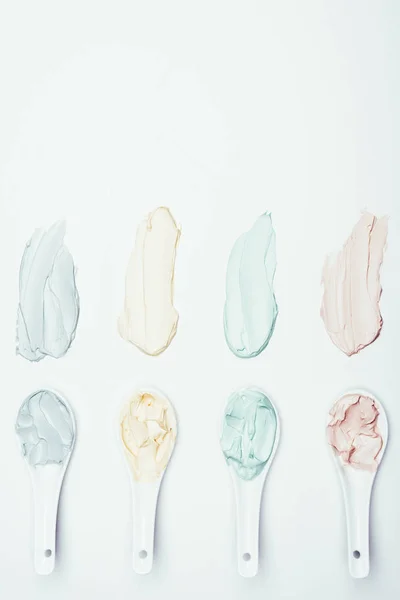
<point>46,430</point>
<point>248,494</point>
<point>148,438</point>
<point>357,487</point>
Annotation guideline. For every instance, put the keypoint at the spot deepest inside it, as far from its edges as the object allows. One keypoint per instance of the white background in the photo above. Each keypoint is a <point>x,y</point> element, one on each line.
<point>219,110</point>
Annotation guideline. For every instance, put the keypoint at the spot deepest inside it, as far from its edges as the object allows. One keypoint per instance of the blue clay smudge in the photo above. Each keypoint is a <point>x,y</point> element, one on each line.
<point>48,309</point>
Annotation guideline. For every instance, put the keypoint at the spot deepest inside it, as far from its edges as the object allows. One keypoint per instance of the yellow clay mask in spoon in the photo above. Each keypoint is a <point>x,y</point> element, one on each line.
<point>148,432</point>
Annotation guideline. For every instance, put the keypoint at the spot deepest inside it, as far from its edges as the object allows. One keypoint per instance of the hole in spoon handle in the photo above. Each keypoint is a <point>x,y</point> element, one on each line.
<point>357,508</point>
<point>144,516</point>
<point>248,549</point>
<point>44,560</point>
<point>358,562</point>
<point>247,523</point>
<point>46,507</point>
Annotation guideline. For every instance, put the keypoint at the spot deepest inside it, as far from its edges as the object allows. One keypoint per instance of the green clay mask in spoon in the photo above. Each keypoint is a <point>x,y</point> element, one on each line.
<point>249,432</point>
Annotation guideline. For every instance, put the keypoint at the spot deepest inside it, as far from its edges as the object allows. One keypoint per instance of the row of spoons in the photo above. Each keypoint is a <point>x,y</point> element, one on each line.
<point>357,433</point>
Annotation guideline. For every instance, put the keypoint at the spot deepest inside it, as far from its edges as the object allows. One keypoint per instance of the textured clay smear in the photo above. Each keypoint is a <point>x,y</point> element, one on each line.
<point>48,308</point>
<point>251,310</point>
<point>353,432</point>
<point>149,319</point>
<point>352,290</point>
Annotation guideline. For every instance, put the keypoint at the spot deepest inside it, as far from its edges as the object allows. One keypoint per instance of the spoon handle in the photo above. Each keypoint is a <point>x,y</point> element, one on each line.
<point>46,492</point>
<point>357,501</point>
<point>248,500</point>
<point>145,496</point>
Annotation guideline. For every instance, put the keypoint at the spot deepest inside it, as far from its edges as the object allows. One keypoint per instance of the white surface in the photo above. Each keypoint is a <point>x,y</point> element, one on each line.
<point>220,110</point>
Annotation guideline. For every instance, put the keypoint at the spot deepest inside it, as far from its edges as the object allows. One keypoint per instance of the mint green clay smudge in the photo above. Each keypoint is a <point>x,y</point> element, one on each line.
<point>249,432</point>
<point>250,307</point>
